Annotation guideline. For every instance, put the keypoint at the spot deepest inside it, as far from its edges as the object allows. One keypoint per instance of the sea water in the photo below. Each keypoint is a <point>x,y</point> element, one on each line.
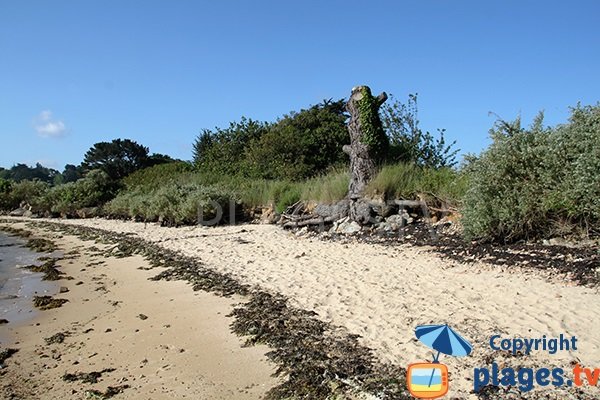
<point>18,285</point>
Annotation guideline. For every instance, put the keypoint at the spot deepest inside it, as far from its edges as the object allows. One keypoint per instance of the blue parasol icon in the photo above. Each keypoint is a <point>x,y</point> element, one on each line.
<point>443,339</point>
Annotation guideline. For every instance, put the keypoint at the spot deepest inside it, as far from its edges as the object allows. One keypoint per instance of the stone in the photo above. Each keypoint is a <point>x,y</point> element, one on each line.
<point>19,212</point>
<point>345,226</point>
<point>63,289</point>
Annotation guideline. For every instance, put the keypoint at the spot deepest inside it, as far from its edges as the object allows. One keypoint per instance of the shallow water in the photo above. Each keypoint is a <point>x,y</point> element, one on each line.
<point>18,285</point>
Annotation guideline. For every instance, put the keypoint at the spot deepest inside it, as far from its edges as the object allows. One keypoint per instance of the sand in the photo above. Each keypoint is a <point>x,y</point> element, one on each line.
<point>163,339</point>
<point>383,293</point>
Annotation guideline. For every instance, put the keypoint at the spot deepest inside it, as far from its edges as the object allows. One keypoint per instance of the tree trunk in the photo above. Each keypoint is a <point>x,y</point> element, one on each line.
<point>368,145</point>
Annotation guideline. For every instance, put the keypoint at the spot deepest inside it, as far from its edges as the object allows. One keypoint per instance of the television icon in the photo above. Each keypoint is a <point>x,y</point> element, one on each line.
<point>427,380</point>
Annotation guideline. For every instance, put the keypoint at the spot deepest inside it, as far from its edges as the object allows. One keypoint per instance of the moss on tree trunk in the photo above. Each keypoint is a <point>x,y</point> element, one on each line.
<point>368,143</point>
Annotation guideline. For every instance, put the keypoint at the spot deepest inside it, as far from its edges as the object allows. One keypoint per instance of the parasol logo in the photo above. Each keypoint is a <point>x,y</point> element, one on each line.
<point>429,380</point>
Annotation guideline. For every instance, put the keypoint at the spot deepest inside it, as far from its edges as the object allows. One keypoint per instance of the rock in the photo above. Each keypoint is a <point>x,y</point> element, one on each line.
<point>301,232</point>
<point>346,227</point>
<point>19,212</point>
<point>63,289</point>
<point>3,321</point>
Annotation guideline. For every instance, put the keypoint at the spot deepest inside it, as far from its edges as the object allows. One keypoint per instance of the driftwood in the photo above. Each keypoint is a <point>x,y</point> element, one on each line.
<point>310,221</point>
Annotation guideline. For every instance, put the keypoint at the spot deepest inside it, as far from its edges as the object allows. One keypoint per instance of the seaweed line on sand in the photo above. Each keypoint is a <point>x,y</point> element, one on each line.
<point>580,265</point>
<point>317,360</point>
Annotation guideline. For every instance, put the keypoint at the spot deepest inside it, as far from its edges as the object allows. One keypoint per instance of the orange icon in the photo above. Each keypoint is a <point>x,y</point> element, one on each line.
<point>427,380</point>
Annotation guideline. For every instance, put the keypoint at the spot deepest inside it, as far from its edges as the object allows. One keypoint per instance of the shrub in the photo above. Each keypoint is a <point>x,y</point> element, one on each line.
<point>408,143</point>
<point>156,176</point>
<point>173,203</point>
<point>299,145</point>
<point>531,181</point>
<point>26,192</point>
<point>91,191</point>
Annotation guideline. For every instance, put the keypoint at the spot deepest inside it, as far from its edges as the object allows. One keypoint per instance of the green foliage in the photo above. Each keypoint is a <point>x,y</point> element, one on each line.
<point>23,172</point>
<point>173,203</point>
<point>327,189</point>
<point>91,191</point>
<point>370,124</point>
<point>118,158</point>
<point>410,181</point>
<point>285,194</point>
<point>537,182</point>
<point>158,175</point>
<point>221,151</point>
<point>5,189</point>
<point>409,144</point>
<point>24,192</point>
<point>297,146</point>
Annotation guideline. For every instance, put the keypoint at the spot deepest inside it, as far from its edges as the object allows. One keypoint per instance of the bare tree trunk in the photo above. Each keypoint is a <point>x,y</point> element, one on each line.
<point>368,144</point>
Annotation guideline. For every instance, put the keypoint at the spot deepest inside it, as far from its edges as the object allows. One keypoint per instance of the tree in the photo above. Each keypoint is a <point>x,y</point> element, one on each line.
<point>408,143</point>
<point>368,144</point>
<point>222,150</point>
<point>71,173</point>
<point>301,144</point>
<point>23,172</point>
<point>118,158</point>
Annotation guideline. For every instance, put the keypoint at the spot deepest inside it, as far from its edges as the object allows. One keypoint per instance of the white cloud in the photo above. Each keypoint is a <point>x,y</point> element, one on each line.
<point>47,127</point>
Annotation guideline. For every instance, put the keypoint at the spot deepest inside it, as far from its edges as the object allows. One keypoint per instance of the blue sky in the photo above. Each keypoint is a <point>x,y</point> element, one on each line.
<point>73,73</point>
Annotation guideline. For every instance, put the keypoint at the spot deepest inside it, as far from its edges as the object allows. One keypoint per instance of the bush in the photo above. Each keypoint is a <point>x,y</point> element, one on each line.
<point>537,182</point>
<point>91,191</point>
<point>24,192</point>
<point>408,143</point>
<point>297,146</point>
<point>156,176</point>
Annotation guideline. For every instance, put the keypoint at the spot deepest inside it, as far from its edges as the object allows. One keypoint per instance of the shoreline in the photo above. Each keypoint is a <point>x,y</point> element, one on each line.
<point>151,339</point>
<point>22,284</point>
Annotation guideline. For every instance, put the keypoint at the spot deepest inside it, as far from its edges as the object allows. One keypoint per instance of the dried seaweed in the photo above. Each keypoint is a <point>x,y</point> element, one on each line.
<point>5,354</point>
<point>86,377</point>
<point>47,302</point>
<point>56,338</point>
<point>109,393</point>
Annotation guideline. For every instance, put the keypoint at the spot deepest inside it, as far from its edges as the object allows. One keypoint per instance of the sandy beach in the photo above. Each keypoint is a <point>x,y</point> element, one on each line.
<point>378,292</point>
<point>154,340</point>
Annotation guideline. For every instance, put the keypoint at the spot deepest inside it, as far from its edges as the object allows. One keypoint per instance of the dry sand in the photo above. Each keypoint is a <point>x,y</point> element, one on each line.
<point>183,349</point>
<point>382,293</point>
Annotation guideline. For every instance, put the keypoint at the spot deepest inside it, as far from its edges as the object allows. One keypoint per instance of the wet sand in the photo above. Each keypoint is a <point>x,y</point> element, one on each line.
<point>158,339</point>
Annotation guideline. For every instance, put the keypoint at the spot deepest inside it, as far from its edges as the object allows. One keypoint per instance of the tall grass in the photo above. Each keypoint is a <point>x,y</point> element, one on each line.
<point>408,181</point>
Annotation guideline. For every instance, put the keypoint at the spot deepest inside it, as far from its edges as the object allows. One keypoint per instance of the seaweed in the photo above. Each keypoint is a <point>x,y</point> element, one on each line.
<point>5,354</point>
<point>109,393</point>
<point>41,245</point>
<point>48,268</point>
<point>47,302</point>
<point>57,338</point>
<point>86,377</point>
